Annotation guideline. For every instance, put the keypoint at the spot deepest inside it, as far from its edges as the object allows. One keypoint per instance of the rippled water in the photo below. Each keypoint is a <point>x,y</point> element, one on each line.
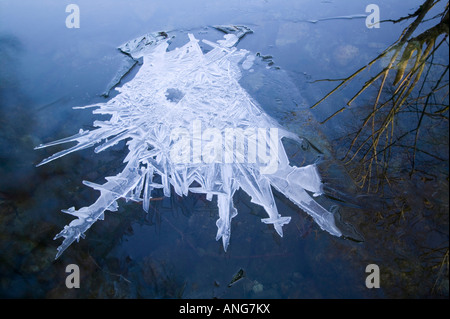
<point>46,69</point>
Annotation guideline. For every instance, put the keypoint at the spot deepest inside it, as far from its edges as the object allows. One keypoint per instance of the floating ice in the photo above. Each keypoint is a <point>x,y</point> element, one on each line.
<point>187,119</point>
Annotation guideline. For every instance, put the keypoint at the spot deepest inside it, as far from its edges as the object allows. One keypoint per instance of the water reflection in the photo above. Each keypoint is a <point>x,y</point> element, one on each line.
<point>171,252</point>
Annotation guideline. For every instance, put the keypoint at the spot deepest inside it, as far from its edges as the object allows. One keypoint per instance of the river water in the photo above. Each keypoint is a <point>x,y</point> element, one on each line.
<point>171,252</point>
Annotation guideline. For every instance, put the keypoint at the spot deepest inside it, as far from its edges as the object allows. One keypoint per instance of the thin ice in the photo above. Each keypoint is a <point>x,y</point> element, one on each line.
<point>206,88</point>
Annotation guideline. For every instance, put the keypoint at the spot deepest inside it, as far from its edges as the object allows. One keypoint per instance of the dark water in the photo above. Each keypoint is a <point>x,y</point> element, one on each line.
<point>46,69</point>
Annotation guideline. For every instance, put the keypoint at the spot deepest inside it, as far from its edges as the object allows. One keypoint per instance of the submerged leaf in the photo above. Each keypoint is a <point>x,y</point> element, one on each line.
<point>238,276</point>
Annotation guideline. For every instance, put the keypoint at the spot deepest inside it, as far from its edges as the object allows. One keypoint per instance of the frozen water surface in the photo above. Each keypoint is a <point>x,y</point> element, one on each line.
<point>191,127</point>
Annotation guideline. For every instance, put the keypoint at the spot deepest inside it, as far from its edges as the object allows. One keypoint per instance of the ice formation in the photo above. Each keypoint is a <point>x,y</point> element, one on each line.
<point>177,115</point>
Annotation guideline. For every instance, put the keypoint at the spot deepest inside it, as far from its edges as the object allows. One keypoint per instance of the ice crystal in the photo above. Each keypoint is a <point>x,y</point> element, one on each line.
<point>185,117</point>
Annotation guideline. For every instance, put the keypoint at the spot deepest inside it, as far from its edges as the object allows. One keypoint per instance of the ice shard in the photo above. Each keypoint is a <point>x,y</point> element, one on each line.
<point>185,117</point>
